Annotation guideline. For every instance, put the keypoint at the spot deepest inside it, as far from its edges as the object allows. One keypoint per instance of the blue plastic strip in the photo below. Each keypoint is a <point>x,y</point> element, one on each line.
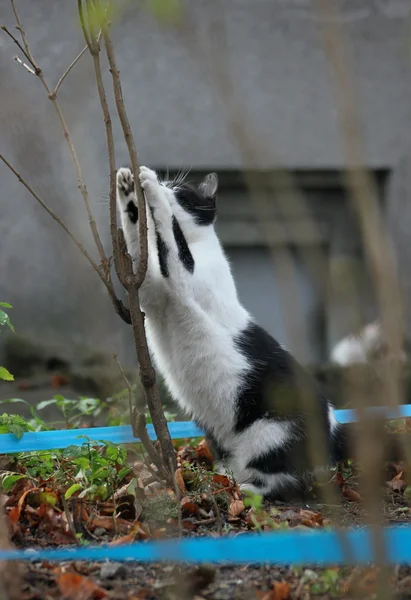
<point>51,440</point>
<point>288,547</point>
<point>350,415</point>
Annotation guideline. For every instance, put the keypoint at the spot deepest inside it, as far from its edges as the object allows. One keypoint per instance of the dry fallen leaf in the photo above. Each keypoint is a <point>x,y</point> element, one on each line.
<point>14,513</point>
<point>397,484</point>
<point>204,453</point>
<point>180,481</point>
<point>76,587</point>
<point>310,518</point>
<point>351,494</point>
<point>236,508</point>
<point>188,506</point>
<point>137,531</point>
<point>108,524</point>
<point>280,591</point>
<point>222,480</point>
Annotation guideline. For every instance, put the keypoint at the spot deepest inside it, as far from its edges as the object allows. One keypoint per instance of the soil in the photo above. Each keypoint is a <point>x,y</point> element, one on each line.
<point>264,582</point>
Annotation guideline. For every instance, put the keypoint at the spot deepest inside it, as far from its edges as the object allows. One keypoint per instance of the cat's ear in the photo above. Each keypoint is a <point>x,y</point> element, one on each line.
<point>209,185</point>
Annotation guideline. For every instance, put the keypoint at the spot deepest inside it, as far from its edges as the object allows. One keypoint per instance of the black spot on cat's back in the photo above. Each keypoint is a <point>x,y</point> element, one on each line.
<point>276,387</point>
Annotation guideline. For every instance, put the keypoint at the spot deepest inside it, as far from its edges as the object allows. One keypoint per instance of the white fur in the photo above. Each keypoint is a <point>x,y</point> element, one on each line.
<point>355,349</point>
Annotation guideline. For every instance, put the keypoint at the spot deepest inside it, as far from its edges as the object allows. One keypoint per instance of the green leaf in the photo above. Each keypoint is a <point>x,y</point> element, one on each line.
<point>6,305</point>
<point>15,401</point>
<point>90,490</point>
<point>5,374</point>
<point>16,430</point>
<point>5,320</point>
<point>73,452</point>
<point>72,490</point>
<point>33,412</point>
<point>45,403</point>
<point>123,472</point>
<point>101,473</point>
<point>46,497</point>
<point>9,480</point>
<point>82,462</point>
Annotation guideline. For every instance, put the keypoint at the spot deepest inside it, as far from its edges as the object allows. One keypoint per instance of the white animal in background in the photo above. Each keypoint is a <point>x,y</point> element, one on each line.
<point>359,348</point>
<point>356,348</point>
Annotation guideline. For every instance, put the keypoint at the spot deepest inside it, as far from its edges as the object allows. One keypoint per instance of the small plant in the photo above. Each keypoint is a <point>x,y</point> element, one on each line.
<point>88,471</point>
<point>14,424</point>
<point>258,516</point>
<point>74,411</point>
<point>324,582</point>
<point>5,375</point>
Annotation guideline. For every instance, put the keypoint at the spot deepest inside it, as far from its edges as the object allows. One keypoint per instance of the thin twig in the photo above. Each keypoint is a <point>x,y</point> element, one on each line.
<point>138,423</point>
<point>67,71</point>
<point>178,498</point>
<point>80,180</point>
<point>128,386</point>
<point>217,511</point>
<point>154,474</point>
<point>25,65</point>
<point>105,263</point>
<point>69,519</point>
<point>22,33</point>
<point>118,304</point>
<point>26,54</point>
<point>52,214</point>
<point>140,431</point>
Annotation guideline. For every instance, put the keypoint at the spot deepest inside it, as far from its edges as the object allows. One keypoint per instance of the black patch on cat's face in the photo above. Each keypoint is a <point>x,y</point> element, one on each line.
<point>201,207</point>
<point>132,210</point>
<point>184,253</point>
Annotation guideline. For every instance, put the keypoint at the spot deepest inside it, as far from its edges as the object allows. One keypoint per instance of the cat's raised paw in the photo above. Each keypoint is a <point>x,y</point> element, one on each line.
<point>125,181</point>
<point>147,177</point>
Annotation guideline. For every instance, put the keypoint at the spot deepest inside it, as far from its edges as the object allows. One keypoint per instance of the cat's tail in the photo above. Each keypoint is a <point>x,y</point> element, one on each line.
<point>344,446</point>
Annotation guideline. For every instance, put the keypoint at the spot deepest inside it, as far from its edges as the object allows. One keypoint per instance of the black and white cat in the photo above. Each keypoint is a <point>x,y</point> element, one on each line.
<point>236,381</point>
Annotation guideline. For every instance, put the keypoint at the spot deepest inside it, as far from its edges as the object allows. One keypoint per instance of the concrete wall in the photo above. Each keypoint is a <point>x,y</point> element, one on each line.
<point>281,75</point>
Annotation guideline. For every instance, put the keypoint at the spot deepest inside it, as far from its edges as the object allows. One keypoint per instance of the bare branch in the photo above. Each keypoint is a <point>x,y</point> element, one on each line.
<point>147,372</point>
<point>52,96</point>
<point>27,55</point>
<point>52,214</point>
<point>27,51</point>
<point>25,65</point>
<point>128,135</point>
<point>112,164</point>
<point>67,71</point>
<point>140,431</point>
<point>118,305</point>
<point>138,423</point>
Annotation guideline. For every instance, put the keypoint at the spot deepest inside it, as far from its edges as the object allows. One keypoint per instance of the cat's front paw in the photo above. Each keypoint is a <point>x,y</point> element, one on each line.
<point>125,183</point>
<point>148,178</point>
